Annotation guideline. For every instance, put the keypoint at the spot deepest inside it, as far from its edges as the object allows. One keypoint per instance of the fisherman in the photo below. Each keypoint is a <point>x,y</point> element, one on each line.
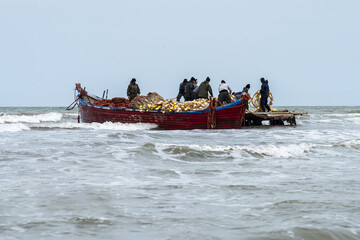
<point>224,91</point>
<point>205,89</point>
<point>264,91</point>
<point>182,90</point>
<point>195,92</point>
<point>245,90</point>
<point>189,88</point>
<point>133,90</point>
<point>246,96</point>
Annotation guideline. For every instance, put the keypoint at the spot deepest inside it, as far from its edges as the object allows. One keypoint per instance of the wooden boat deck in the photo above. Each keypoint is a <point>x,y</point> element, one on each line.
<point>253,118</point>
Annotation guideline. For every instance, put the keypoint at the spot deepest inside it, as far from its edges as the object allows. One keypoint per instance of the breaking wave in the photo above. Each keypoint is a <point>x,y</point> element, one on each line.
<point>46,117</point>
<point>349,144</point>
<point>280,151</point>
<point>13,127</point>
<point>96,126</point>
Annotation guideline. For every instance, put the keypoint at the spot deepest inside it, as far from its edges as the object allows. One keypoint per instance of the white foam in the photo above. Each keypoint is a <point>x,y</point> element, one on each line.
<point>120,126</point>
<point>46,117</point>
<point>351,144</point>
<point>71,114</point>
<point>13,127</point>
<point>342,115</point>
<point>354,120</point>
<point>64,125</point>
<point>98,126</point>
<point>281,151</point>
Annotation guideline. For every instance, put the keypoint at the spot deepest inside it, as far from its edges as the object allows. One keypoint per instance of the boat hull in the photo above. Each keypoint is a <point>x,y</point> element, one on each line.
<point>228,116</point>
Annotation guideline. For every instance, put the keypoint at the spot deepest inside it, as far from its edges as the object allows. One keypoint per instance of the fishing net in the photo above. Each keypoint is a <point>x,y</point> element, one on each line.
<point>115,102</point>
<point>256,98</point>
<point>152,98</point>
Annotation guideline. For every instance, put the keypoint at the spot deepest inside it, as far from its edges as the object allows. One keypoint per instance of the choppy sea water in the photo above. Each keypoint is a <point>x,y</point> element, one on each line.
<point>64,180</point>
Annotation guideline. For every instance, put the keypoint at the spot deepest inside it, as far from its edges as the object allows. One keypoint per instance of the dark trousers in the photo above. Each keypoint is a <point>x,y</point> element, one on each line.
<point>179,96</point>
<point>224,96</point>
<point>132,96</point>
<point>264,104</point>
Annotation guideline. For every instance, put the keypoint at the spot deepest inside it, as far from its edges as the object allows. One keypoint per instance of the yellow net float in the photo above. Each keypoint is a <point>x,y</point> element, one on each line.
<point>256,98</point>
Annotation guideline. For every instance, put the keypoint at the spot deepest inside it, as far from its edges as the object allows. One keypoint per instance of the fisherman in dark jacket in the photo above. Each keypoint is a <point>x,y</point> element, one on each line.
<point>264,91</point>
<point>194,94</point>
<point>189,89</point>
<point>181,90</point>
<point>204,89</point>
<point>245,90</point>
<point>133,90</point>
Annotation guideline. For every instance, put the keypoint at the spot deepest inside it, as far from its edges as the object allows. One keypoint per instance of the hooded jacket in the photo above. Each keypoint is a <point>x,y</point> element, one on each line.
<point>189,88</point>
<point>265,89</point>
<point>133,89</point>
<point>204,88</point>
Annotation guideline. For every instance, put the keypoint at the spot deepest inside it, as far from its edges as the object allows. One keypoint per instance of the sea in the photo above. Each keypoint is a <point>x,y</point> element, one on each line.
<point>61,179</point>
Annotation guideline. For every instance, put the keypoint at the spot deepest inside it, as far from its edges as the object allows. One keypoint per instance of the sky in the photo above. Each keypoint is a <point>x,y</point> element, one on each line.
<point>309,50</point>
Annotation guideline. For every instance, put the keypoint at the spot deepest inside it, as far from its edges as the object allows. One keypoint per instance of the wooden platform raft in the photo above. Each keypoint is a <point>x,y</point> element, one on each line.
<point>279,117</point>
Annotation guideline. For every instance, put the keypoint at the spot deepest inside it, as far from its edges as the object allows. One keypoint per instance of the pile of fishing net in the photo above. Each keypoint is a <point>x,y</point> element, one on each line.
<point>173,106</point>
<point>115,102</point>
<point>153,101</point>
<point>151,98</point>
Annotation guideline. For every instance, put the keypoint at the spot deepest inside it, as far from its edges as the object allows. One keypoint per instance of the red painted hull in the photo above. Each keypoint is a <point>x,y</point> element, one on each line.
<point>229,116</point>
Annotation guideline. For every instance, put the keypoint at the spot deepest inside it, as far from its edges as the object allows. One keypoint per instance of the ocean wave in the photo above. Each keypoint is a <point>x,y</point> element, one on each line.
<point>315,233</point>
<point>97,126</point>
<point>191,152</point>
<point>354,120</point>
<point>348,144</point>
<point>196,150</point>
<point>354,111</point>
<point>341,114</point>
<point>13,127</point>
<point>91,221</point>
<point>46,117</point>
<point>71,114</point>
<point>335,233</point>
<point>281,151</point>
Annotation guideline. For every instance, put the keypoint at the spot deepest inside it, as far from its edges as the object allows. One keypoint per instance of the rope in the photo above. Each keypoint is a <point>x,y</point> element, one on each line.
<point>68,108</point>
<point>211,121</point>
<point>231,106</point>
<point>82,92</point>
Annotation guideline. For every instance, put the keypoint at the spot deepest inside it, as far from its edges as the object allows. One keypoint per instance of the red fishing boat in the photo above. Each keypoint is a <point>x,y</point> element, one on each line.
<point>216,116</point>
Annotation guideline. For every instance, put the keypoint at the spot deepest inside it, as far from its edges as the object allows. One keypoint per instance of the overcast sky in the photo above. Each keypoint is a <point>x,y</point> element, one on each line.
<point>309,50</point>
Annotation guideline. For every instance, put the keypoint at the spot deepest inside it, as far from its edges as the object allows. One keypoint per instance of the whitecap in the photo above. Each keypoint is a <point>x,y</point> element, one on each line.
<point>46,117</point>
<point>13,127</point>
<point>342,115</point>
<point>97,126</point>
<point>349,144</point>
<point>120,126</point>
<point>281,150</point>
